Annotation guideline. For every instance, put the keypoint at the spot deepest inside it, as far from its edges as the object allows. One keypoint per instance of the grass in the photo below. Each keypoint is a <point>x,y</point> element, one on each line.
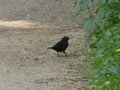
<point>103,28</point>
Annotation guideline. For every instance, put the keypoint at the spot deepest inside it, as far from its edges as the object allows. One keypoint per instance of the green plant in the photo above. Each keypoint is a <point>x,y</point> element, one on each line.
<point>103,27</point>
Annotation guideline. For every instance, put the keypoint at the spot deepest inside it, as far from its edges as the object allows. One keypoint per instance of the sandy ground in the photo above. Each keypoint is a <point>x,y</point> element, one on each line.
<point>27,28</point>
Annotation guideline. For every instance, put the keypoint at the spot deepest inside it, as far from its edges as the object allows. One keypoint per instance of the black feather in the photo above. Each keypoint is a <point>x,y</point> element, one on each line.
<point>61,45</point>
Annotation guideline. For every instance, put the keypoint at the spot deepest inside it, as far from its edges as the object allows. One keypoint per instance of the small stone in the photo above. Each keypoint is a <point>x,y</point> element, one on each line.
<point>36,59</point>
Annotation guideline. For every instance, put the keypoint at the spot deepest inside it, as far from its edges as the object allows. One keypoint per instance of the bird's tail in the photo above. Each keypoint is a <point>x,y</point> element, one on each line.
<point>49,48</point>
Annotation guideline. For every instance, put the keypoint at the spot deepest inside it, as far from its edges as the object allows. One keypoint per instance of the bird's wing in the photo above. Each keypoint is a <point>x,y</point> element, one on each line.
<point>60,44</point>
<point>57,44</point>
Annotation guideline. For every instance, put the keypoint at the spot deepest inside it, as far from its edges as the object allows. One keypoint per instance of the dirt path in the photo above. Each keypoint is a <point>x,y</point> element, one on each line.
<point>27,28</point>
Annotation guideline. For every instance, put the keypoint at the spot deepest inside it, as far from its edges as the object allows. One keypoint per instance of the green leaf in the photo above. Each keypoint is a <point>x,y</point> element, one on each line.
<point>110,1</point>
<point>75,2</point>
<point>113,69</point>
<point>108,33</point>
<point>89,23</point>
<point>102,1</point>
<point>75,15</point>
<point>99,53</point>
<point>93,2</point>
<point>84,5</point>
<point>107,82</point>
<point>88,40</point>
<point>100,13</point>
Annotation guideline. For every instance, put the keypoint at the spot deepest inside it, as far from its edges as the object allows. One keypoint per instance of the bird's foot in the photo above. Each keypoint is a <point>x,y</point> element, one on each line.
<point>60,54</point>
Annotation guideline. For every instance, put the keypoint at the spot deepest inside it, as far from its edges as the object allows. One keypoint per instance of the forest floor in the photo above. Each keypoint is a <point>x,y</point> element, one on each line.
<point>27,28</point>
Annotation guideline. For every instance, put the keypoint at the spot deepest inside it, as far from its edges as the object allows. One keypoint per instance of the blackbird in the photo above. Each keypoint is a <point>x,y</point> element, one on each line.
<point>61,45</point>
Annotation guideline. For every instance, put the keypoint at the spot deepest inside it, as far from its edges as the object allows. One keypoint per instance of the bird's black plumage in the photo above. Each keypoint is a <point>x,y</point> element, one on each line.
<point>61,45</point>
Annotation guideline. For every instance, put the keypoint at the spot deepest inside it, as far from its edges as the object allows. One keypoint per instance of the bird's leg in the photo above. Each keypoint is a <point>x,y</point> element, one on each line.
<point>58,54</point>
<point>64,52</point>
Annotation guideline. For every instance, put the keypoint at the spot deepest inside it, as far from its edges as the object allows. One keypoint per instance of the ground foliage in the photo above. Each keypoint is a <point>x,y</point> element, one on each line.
<point>103,28</point>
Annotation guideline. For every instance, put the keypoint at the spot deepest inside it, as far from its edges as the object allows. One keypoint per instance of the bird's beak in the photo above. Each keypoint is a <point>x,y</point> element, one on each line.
<point>70,37</point>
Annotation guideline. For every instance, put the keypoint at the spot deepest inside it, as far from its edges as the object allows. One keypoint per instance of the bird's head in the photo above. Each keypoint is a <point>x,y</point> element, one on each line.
<point>65,38</point>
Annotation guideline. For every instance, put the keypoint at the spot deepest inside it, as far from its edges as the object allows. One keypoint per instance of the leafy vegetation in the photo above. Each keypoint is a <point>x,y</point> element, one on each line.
<point>103,27</point>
